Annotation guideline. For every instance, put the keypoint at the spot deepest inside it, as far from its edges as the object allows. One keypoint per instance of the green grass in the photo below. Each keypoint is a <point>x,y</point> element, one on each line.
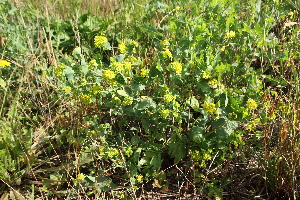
<point>205,106</point>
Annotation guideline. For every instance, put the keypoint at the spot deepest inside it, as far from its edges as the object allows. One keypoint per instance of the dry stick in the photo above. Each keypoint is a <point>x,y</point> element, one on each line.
<point>13,189</point>
<point>128,173</point>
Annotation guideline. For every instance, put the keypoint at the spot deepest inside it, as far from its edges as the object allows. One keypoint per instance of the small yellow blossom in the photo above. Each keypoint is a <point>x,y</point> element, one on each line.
<point>80,177</point>
<point>119,67</point>
<point>251,104</point>
<point>108,74</point>
<point>100,41</point>
<point>224,47</point>
<point>4,63</point>
<point>134,43</point>
<point>127,65</point>
<point>169,97</point>
<point>85,98</point>
<point>206,74</point>
<point>177,8</point>
<point>165,43</point>
<point>127,101</point>
<point>139,178</point>
<point>210,108</point>
<point>230,34</point>
<point>213,83</point>
<point>165,113</point>
<point>122,47</point>
<point>67,89</point>
<point>252,124</point>
<point>92,64</point>
<point>167,53</point>
<point>112,59</point>
<point>144,72</point>
<point>97,89</point>
<point>59,69</point>
<point>116,100</point>
<point>177,67</point>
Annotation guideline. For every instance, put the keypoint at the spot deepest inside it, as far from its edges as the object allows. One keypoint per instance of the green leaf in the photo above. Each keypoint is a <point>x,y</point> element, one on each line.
<point>137,86</point>
<point>196,134</point>
<point>177,147</point>
<point>223,68</point>
<point>69,73</point>
<point>194,103</point>
<point>218,123</point>
<point>122,93</point>
<point>144,104</point>
<point>3,83</point>
<point>90,179</point>
<point>120,79</point>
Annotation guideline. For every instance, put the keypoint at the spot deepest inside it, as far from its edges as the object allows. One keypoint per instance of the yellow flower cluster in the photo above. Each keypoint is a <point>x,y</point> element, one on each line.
<point>85,98</point>
<point>4,63</point>
<point>251,104</point>
<point>210,108</point>
<point>92,64</point>
<point>165,43</point>
<point>100,41</point>
<point>58,70</point>
<point>206,74</point>
<point>169,97</point>
<point>134,43</point>
<point>80,177</point>
<point>125,66</point>
<point>122,47</point>
<point>177,67</point>
<point>139,178</point>
<point>97,89</point>
<point>127,101</point>
<point>252,124</point>
<point>167,53</point>
<point>165,113</point>
<point>213,83</point>
<point>108,74</point>
<point>67,89</point>
<point>230,34</point>
<point>144,72</point>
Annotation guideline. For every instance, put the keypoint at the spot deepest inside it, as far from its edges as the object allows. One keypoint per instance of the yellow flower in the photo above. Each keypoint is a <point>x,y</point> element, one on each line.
<point>118,66</point>
<point>209,107</point>
<point>108,74</point>
<point>213,83</point>
<point>127,101</point>
<point>92,64</point>
<point>85,98</point>
<point>177,67</point>
<point>167,53</point>
<point>122,47</point>
<point>58,70</point>
<point>4,63</point>
<point>139,178</point>
<point>230,34</point>
<point>97,89</point>
<point>206,74</point>
<point>67,89</point>
<point>100,41</point>
<point>168,98</point>
<point>134,43</point>
<point>80,177</point>
<point>165,113</point>
<point>127,65</point>
<point>165,43</point>
<point>251,104</point>
<point>144,72</point>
